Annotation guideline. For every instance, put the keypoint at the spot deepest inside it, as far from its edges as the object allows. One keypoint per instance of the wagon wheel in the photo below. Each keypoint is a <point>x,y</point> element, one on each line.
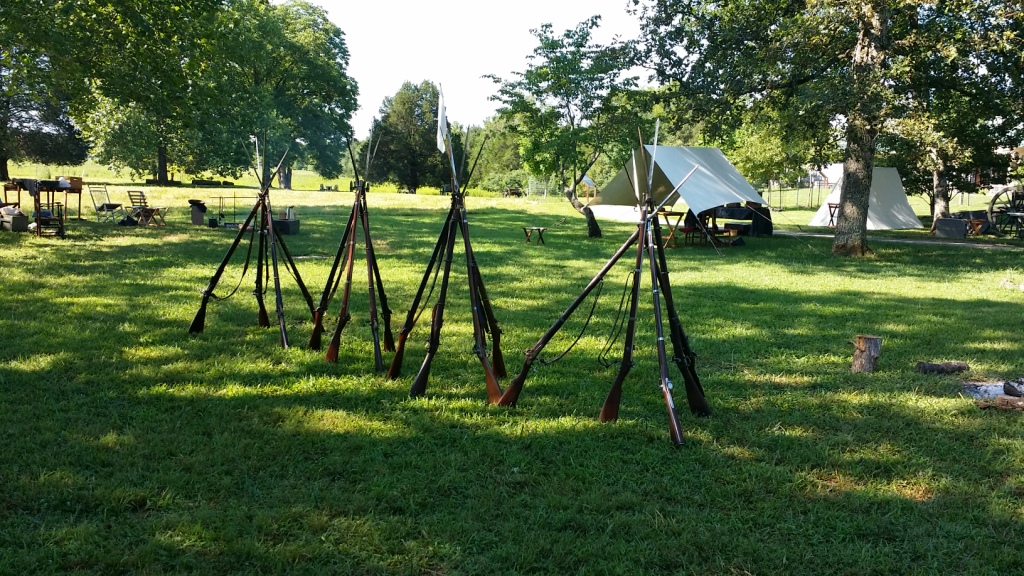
<point>1003,212</point>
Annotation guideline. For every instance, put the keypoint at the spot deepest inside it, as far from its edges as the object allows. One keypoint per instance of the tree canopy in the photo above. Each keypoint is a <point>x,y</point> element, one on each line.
<point>568,107</point>
<point>188,81</point>
<point>825,65</point>
<point>406,152</point>
<point>34,121</point>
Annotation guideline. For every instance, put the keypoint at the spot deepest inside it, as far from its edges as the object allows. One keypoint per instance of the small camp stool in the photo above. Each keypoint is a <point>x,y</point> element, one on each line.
<point>529,230</point>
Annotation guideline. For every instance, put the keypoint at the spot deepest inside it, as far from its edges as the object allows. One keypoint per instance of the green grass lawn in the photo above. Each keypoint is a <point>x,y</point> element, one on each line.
<point>133,447</point>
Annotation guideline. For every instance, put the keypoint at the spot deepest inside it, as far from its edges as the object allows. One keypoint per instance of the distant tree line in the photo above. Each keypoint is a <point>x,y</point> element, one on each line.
<point>934,88</point>
<point>185,84</point>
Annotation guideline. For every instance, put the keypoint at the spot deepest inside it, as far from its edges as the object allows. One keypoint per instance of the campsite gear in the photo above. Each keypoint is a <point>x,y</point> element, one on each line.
<point>716,189</point>
<point>1006,211</point>
<point>141,209</point>
<point>888,207</point>
<point>198,211</point>
<point>648,238</point>
<point>483,317</point>
<point>715,184</point>
<point>266,257</point>
<point>359,216</point>
<point>105,209</point>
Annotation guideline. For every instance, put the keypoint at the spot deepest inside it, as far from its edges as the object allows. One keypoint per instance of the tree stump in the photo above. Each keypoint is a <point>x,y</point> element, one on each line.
<point>866,351</point>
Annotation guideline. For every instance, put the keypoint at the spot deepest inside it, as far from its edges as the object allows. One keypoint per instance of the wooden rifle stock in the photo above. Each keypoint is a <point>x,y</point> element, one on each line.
<point>385,311</point>
<point>675,430</point>
<point>199,322</point>
<point>497,360</point>
<point>410,319</point>
<point>332,347</point>
<point>515,387</point>
<point>263,319</point>
<point>419,383</point>
<point>378,360</point>
<point>610,409</point>
<point>396,362</point>
<point>476,290</point>
<point>684,356</point>
<point>315,338</point>
<point>343,316</point>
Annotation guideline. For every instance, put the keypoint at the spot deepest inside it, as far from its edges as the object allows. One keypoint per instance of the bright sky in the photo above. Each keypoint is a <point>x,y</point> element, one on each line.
<point>394,41</point>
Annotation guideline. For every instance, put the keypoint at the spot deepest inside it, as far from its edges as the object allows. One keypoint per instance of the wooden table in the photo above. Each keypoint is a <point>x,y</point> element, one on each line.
<point>529,230</point>
<point>832,210</point>
<point>673,227</point>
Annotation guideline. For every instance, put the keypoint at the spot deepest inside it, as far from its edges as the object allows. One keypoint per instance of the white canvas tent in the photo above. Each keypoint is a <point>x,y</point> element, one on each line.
<point>888,208</point>
<point>715,183</point>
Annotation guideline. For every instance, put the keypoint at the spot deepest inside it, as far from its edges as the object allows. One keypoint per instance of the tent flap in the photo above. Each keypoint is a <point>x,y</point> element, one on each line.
<point>715,183</point>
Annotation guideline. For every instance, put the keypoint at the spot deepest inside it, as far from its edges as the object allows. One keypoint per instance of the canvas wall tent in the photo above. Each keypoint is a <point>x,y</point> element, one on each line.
<point>888,207</point>
<point>715,183</point>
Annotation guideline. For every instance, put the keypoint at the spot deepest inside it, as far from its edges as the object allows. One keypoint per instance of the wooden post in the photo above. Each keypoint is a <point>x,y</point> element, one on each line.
<point>867,349</point>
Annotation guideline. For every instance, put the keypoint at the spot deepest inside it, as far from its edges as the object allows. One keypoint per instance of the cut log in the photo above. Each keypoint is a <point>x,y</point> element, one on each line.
<point>941,368</point>
<point>866,351</point>
<point>1002,402</point>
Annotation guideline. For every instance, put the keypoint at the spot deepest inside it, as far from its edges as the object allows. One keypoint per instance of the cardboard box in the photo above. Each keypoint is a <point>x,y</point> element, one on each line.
<point>950,228</point>
<point>286,227</point>
<point>14,222</point>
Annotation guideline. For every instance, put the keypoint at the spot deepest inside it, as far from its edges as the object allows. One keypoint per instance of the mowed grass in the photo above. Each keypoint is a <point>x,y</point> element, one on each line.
<point>133,447</point>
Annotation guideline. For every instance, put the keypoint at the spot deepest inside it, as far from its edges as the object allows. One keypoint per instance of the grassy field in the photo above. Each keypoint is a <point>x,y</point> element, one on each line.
<point>133,447</point>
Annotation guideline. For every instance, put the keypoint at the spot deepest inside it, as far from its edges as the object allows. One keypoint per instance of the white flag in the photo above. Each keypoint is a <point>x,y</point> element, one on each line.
<point>442,123</point>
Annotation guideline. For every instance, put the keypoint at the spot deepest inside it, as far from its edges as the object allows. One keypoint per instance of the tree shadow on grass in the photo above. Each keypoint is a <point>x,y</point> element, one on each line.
<point>133,446</point>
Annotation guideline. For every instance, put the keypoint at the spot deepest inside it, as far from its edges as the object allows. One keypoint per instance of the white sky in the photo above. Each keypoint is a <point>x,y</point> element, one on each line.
<point>394,41</point>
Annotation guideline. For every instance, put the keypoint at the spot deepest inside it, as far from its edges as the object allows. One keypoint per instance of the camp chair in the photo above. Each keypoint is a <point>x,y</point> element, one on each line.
<point>694,229</point>
<point>105,209</point>
<point>11,187</point>
<point>143,212</point>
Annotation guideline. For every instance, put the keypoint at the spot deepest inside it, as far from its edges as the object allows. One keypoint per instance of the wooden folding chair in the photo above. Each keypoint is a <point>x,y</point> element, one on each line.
<point>11,187</point>
<point>105,209</point>
<point>143,212</point>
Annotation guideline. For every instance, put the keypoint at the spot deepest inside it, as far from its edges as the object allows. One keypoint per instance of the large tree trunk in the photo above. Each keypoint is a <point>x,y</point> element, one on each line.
<point>862,130</point>
<point>284,178</point>
<point>852,221</point>
<point>593,230</point>
<point>161,164</point>
<point>940,188</point>
<point>4,174</point>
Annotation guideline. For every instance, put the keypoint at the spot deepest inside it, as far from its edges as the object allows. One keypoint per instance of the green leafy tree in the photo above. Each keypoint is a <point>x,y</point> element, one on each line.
<point>407,153</point>
<point>818,64</point>
<point>760,152</point>
<point>500,166</point>
<point>277,72</point>
<point>564,108</point>
<point>34,121</point>
<point>957,111</point>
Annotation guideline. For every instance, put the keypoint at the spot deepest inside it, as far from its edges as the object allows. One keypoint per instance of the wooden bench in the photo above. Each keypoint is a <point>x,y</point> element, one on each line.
<point>529,230</point>
<point>510,192</point>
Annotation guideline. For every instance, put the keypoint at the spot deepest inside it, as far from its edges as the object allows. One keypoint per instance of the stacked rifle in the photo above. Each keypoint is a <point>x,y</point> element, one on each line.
<point>486,334</point>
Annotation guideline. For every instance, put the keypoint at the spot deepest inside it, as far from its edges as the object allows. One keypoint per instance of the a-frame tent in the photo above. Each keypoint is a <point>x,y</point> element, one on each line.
<point>888,207</point>
<point>715,183</point>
